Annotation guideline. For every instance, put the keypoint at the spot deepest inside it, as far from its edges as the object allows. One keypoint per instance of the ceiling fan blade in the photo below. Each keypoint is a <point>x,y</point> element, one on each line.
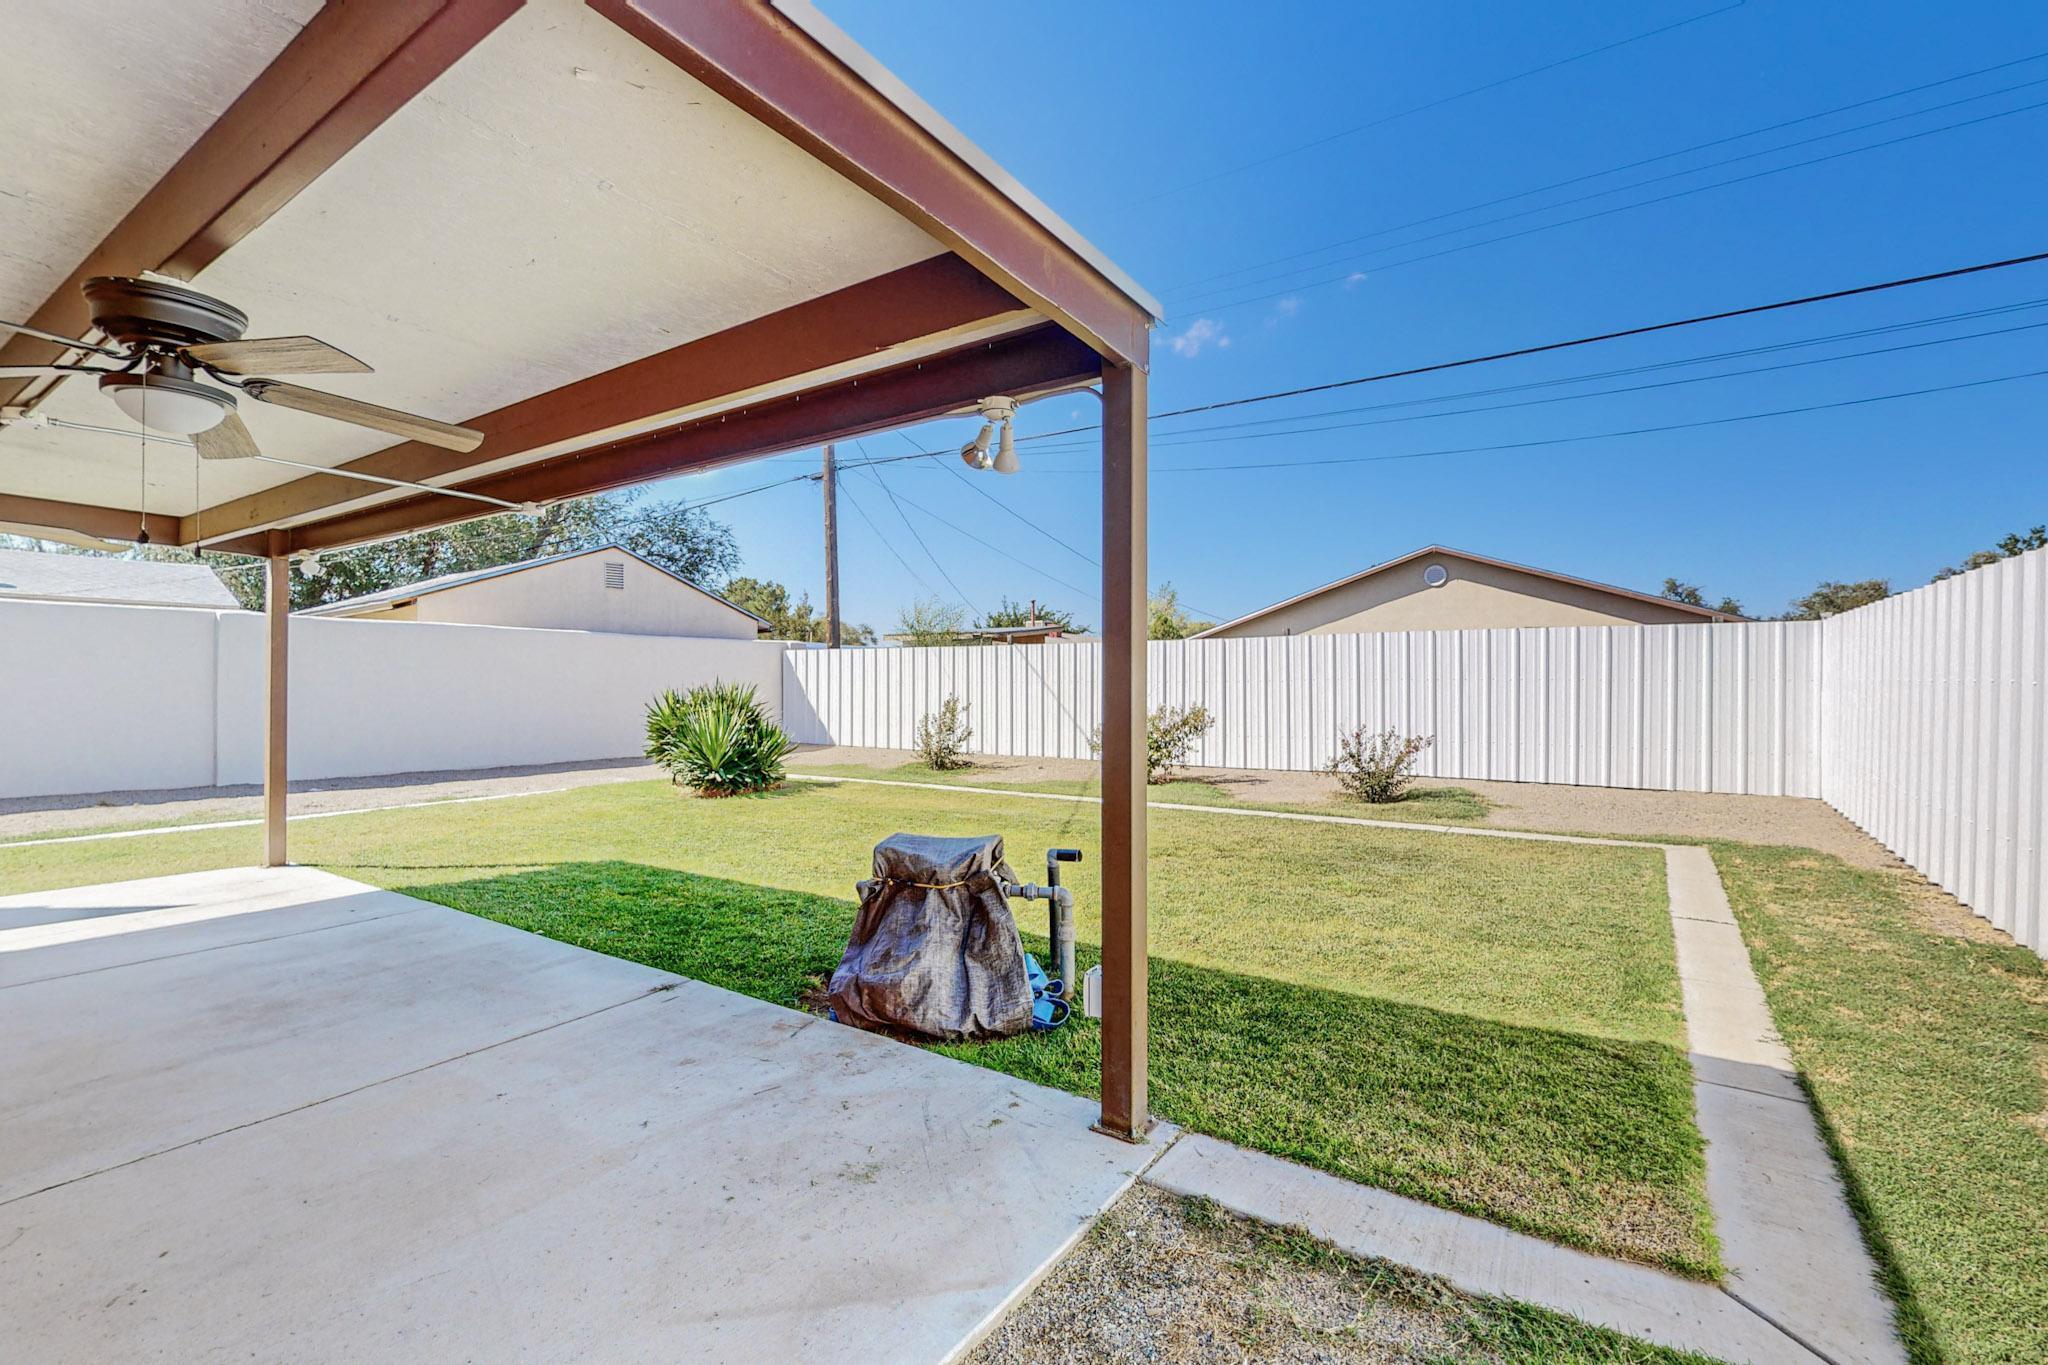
<point>229,439</point>
<point>40,335</point>
<point>443,434</point>
<point>76,539</point>
<point>276,355</point>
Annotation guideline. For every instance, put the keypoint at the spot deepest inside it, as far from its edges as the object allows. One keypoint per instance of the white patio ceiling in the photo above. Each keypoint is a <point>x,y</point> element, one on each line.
<point>561,201</point>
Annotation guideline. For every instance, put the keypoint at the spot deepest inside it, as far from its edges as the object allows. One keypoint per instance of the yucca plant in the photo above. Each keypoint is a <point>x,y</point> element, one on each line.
<point>716,739</point>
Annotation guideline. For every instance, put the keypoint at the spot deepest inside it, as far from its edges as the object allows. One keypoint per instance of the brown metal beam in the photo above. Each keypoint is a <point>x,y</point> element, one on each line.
<point>354,64</point>
<point>109,523</point>
<point>1027,362</point>
<point>931,298</point>
<point>277,608</point>
<point>1125,937</point>
<point>763,63</point>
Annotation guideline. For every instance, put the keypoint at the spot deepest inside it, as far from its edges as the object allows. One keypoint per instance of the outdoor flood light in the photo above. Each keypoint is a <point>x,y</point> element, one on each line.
<point>975,453</point>
<point>995,413</point>
<point>1006,451</point>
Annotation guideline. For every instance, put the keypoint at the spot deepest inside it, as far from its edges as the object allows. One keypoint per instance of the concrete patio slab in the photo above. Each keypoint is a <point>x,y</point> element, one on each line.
<point>85,928</point>
<point>625,1166</point>
<point>207,1041</point>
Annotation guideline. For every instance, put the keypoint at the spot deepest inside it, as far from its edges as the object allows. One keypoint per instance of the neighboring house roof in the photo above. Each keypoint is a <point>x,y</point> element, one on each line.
<point>1037,630</point>
<point>109,578</point>
<point>408,592</point>
<point>1704,613</point>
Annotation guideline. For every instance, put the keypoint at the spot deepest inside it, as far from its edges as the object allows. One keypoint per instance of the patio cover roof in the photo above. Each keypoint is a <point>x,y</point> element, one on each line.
<point>623,238</point>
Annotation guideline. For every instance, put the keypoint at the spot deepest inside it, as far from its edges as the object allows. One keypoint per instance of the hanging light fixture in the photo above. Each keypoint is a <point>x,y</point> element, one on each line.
<point>167,401</point>
<point>1006,450</point>
<point>996,414</point>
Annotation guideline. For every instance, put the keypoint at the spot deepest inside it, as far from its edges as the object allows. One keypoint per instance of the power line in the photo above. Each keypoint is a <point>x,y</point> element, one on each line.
<point>1569,397</point>
<point>1628,166</point>
<point>983,493</point>
<point>757,488</point>
<point>997,549</point>
<point>1543,348</point>
<point>1618,373</point>
<point>1201,298</point>
<point>1569,440</point>
<point>911,526</point>
<point>1624,208</point>
<point>1437,103</point>
<point>887,544</point>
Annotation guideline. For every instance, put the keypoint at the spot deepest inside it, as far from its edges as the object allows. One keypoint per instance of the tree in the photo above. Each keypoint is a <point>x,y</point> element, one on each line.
<point>1168,619</point>
<point>1008,613</point>
<point>684,540</point>
<point>787,620</point>
<point>1692,596</point>
<point>931,621</point>
<point>2018,543</point>
<point>1829,599</point>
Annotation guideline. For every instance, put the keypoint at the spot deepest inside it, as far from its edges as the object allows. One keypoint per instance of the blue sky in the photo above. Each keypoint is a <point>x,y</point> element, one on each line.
<point>1114,113</point>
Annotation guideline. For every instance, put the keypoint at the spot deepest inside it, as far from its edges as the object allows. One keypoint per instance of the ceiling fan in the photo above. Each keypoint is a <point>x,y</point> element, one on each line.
<point>164,336</point>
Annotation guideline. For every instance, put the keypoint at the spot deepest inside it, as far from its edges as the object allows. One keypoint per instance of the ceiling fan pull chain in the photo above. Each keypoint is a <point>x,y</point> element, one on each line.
<point>142,491</point>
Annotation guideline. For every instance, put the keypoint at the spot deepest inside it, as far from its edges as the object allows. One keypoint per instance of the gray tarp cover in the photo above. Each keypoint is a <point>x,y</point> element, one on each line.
<point>934,949</point>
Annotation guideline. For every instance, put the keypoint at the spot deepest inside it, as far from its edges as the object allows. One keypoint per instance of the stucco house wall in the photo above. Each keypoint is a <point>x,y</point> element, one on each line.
<point>569,593</point>
<point>1475,594</point>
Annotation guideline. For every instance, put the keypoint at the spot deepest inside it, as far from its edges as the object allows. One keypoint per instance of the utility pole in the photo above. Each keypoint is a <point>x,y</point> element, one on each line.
<point>830,478</point>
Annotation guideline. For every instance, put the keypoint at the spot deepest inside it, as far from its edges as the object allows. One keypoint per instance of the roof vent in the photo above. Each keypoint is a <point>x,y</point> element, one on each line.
<point>1436,575</point>
<point>614,574</point>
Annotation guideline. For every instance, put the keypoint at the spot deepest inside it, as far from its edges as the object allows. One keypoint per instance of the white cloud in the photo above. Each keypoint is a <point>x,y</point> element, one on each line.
<point>1201,334</point>
<point>1355,278</point>
<point>1283,309</point>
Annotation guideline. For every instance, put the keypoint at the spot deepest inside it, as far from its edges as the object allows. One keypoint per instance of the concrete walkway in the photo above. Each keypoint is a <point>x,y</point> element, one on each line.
<point>22,817</point>
<point>1791,1245</point>
<point>1474,1255</point>
<point>1800,1284</point>
<point>284,1115</point>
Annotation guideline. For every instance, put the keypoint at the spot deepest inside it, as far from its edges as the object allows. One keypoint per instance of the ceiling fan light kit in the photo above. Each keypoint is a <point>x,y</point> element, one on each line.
<point>165,402</point>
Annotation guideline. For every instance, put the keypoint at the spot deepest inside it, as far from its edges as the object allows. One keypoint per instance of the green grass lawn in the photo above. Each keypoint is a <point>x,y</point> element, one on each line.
<point>1494,1027</point>
<point>1422,805</point>
<point>1926,1054</point>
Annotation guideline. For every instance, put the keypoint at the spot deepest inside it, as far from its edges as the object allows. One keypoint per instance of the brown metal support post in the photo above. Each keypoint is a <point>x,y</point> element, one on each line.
<point>1124,935</point>
<point>830,478</point>
<point>277,608</point>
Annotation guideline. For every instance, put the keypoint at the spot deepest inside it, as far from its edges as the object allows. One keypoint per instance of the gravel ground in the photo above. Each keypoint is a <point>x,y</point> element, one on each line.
<point>1160,1279</point>
<point>25,816</point>
<point>1796,821</point>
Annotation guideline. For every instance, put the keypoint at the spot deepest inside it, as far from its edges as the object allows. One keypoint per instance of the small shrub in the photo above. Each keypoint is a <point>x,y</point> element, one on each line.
<point>1377,767</point>
<point>716,739</point>
<point>1170,736</point>
<point>942,736</point>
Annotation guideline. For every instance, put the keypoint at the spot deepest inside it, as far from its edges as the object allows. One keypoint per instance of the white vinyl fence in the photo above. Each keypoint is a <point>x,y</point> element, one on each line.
<point>1935,735</point>
<point>104,698</point>
<point>1687,708</point>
